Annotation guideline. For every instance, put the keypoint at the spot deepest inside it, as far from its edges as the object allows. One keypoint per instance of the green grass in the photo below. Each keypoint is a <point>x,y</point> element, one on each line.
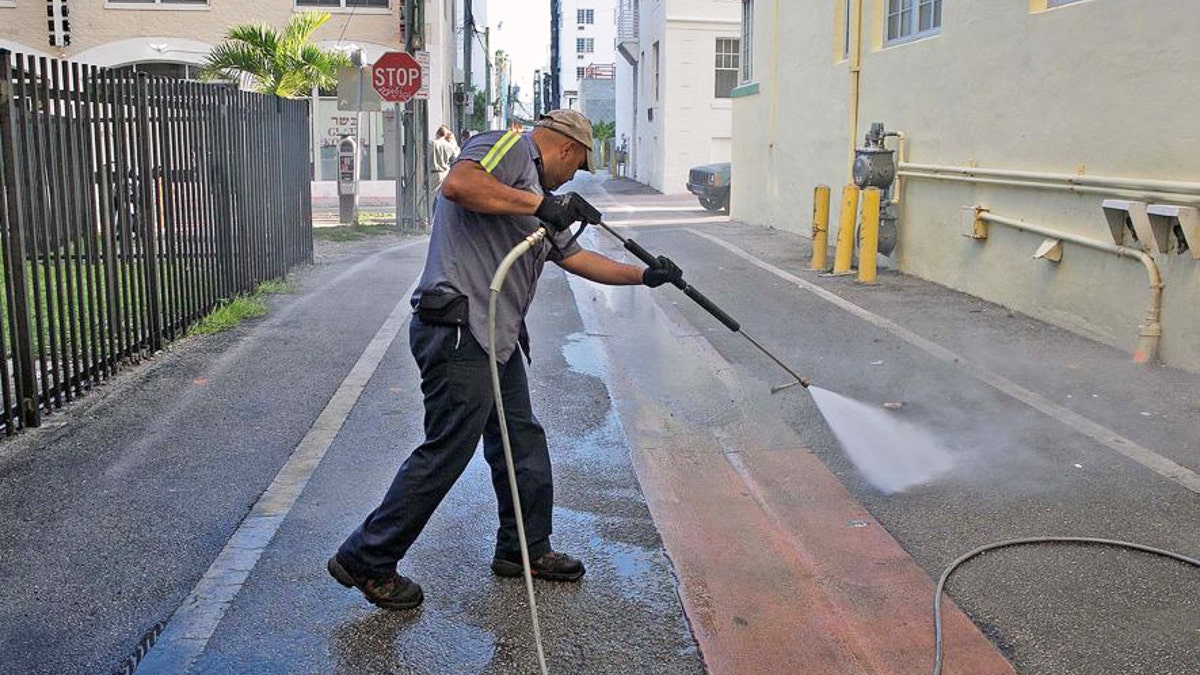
<point>352,232</point>
<point>233,311</point>
<point>84,288</point>
<point>44,293</point>
<point>229,314</point>
<point>275,286</point>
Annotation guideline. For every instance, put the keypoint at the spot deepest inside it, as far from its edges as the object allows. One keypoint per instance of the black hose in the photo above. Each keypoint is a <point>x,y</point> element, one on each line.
<point>937,595</point>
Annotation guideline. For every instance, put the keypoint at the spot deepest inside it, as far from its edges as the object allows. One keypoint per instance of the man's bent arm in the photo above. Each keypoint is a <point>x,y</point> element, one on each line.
<point>595,267</point>
<point>470,186</point>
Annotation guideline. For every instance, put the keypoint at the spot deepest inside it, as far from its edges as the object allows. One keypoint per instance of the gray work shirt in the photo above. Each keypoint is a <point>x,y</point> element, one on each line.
<point>466,248</point>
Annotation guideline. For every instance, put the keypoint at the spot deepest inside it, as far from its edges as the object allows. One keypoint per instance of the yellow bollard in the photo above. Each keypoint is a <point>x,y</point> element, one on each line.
<point>820,238</point>
<point>868,244</point>
<point>844,252</point>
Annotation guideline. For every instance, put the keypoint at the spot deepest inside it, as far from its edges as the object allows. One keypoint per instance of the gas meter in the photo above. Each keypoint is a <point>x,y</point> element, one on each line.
<point>874,164</point>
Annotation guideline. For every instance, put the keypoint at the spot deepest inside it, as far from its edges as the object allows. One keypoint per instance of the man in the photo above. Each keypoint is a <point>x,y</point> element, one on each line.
<point>442,153</point>
<point>497,193</point>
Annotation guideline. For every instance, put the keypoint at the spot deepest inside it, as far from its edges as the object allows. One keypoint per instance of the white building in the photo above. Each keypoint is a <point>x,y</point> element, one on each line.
<point>588,41</point>
<point>678,63</point>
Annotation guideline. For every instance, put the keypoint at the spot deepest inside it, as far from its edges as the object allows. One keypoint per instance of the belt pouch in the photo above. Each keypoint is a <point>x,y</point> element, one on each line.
<point>445,309</point>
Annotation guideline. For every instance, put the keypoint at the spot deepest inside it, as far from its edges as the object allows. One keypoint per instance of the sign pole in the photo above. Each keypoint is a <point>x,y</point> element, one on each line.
<point>398,77</point>
<point>399,121</point>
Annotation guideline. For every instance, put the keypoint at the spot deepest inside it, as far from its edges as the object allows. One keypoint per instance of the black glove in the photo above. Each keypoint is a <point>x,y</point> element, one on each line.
<point>667,272</point>
<point>562,211</point>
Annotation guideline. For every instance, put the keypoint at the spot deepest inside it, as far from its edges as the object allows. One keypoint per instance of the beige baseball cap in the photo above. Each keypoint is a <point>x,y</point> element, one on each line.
<point>573,125</point>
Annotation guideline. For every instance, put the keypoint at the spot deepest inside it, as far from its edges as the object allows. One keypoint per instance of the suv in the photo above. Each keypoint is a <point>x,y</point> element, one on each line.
<point>711,184</point>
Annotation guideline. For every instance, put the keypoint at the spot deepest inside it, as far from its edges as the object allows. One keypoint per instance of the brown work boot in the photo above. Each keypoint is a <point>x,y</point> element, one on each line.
<point>551,566</point>
<point>391,592</point>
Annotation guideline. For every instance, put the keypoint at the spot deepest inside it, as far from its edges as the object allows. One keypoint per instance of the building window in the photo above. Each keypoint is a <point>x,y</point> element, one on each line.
<point>585,16</point>
<point>580,72</point>
<point>158,2</point>
<point>910,19</point>
<point>333,4</point>
<point>729,53</point>
<point>747,40</point>
<point>175,71</point>
<point>849,25</point>
<point>654,50</point>
<point>585,45</point>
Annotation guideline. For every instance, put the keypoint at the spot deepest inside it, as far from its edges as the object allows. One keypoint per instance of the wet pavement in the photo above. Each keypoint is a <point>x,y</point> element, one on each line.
<point>682,483</point>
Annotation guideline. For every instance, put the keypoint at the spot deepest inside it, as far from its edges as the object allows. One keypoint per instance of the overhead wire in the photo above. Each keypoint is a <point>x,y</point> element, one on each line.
<point>353,8</point>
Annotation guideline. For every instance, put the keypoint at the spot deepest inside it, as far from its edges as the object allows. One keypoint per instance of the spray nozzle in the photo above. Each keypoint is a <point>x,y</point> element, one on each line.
<point>801,381</point>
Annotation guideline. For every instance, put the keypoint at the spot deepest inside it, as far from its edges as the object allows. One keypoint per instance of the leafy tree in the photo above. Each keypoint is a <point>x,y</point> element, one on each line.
<point>479,110</point>
<point>604,131</point>
<point>283,63</point>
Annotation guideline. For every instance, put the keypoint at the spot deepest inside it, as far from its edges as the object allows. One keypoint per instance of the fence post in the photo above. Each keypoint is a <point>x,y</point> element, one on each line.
<point>149,214</point>
<point>306,186</point>
<point>23,365</point>
<point>280,247</point>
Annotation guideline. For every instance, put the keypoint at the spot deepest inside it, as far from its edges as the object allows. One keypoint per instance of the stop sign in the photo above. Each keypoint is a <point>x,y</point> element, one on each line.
<point>396,76</point>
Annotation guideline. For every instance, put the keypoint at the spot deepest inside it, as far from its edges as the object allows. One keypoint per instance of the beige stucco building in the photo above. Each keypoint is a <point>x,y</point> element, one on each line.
<point>172,37</point>
<point>1068,93</point>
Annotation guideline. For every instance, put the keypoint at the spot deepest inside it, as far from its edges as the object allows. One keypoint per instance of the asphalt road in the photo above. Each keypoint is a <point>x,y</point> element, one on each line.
<point>115,511</point>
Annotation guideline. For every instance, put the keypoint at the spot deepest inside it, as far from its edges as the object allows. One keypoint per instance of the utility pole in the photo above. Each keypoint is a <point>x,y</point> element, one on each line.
<point>537,95</point>
<point>468,54</point>
<point>512,92</point>
<point>555,96</point>
<point>412,125</point>
<point>487,56</point>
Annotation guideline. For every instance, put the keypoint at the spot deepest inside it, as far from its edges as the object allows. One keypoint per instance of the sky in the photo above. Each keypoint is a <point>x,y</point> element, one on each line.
<point>522,29</point>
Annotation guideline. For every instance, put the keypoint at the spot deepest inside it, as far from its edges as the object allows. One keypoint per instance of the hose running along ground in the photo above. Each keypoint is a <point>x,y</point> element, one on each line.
<point>937,594</point>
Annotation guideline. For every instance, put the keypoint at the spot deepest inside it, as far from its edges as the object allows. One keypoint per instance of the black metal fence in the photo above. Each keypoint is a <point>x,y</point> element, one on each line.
<point>132,206</point>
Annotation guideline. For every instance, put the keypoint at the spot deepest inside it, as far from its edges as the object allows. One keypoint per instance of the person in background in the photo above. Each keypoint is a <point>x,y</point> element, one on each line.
<point>442,153</point>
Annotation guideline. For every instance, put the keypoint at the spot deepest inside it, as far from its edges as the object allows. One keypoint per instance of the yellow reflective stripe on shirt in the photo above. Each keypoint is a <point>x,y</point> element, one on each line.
<point>499,150</point>
<point>495,148</point>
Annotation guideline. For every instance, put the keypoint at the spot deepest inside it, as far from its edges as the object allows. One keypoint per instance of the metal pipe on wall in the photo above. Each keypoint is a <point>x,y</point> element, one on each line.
<point>1175,197</point>
<point>1150,333</point>
<point>1069,179</point>
<point>901,160</point>
<point>855,56</point>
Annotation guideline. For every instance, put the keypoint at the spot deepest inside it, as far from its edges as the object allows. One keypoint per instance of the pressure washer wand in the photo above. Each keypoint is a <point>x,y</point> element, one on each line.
<point>708,305</point>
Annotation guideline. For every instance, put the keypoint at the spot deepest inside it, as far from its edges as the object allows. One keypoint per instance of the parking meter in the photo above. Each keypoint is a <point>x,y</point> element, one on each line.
<point>348,173</point>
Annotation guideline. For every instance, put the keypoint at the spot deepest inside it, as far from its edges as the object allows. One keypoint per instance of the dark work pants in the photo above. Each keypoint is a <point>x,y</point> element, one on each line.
<point>459,409</point>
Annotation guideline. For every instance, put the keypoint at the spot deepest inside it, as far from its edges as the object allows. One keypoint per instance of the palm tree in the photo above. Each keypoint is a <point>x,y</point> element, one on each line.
<point>276,62</point>
<point>604,131</point>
